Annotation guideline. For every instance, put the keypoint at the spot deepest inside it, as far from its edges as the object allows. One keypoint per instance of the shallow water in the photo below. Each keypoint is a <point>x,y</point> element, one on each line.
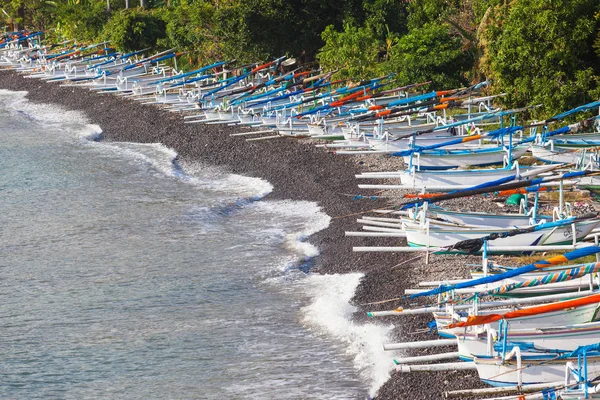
<point>128,275</point>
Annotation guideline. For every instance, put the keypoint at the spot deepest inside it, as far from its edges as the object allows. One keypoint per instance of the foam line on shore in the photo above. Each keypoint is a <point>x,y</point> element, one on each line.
<point>46,113</point>
<point>328,311</point>
<point>331,311</point>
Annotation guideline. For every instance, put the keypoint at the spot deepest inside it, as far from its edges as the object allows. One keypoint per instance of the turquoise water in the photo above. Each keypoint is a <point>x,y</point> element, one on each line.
<point>125,274</point>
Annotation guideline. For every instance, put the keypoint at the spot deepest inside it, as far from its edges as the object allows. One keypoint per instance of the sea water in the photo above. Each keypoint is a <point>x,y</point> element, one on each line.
<point>125,273</point>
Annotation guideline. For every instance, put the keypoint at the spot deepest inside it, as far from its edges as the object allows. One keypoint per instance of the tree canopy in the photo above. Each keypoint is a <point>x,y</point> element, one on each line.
<point>537,51</point>
<point>541,52</point>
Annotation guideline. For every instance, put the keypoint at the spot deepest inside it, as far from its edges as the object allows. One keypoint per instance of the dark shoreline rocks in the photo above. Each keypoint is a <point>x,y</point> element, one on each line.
<point>298,171</point>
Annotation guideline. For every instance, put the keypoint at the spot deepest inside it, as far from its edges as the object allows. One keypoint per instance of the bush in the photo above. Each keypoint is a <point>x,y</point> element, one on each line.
<point>540,52</point>
<point>134,29</point>
<point>431,53</point>
<point>354,51</point>
<point>189,26</point>
<point>84,21</point>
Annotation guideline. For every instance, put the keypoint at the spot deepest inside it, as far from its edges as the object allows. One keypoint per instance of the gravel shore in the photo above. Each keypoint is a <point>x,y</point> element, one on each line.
<point>298,171</point>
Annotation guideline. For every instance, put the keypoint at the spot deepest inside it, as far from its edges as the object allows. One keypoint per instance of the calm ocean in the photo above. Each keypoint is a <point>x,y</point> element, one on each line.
<point>125,274</point>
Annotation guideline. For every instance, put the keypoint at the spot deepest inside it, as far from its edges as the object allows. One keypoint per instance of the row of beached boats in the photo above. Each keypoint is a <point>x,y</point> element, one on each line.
<point>532,328</point>
<point>530,332</point>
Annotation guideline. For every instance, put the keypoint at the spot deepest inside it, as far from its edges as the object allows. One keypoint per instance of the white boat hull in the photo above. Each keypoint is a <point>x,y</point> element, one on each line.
<point>505,221</point>
<point>440,160</point>
<point>562,155</point>
<point>453,179</point>
<point>417,236</point>
<point>579,315</point>
<point>556,336</point>
<point>496,372</point>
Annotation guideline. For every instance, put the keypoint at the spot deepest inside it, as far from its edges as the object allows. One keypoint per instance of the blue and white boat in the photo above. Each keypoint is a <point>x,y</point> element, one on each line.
<point>463,158</point>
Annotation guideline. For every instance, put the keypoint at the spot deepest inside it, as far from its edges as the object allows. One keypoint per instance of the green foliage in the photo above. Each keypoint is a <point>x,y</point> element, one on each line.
<point>257,29</point>
<point>134,29</point>
<point>385,16</point>
<point>433,53</point>
<point>429,51</point>
<point>310,19</point>
<point>233,27</point>
<point>189,27</point>
<point>34,14</point>
<point>540,52</point>
<point>353,51</point>
<point>597,41</point>
<point>83,20</point>
<point>422,12</point>
<point>481,7</point>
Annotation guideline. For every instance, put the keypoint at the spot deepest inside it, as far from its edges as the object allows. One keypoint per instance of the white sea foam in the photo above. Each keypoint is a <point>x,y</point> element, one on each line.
<point>11,95</point>
<point>45,113</point>
<point>91,132</point>
<point>254,188</point>
<point>229,187</point>
<point>50,115</point>
<point>216,179</point>
<point>301,219</point>
<point>330,313</point>
<point>155,155</point>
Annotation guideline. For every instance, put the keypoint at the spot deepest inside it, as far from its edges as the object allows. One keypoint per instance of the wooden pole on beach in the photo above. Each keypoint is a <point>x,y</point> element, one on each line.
<point>430,357</point>
<point>504,390</point>
<point>252,133</point>
<point>455,366</point>
<point>265,138</point>
<point>420,344</point>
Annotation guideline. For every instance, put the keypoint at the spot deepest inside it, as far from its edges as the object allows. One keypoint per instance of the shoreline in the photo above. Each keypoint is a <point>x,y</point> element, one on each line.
<point>297,170</point>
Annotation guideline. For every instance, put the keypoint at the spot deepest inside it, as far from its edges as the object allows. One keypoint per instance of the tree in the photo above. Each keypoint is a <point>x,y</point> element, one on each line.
<point>540,52</point>
<point>258,29</point>
<point>132,29</point>
<point>423,12</point>
<point>385,16</point>
<point>190,26</point>
<point>31,14</point>
<point>233,26</point>
<point>597,41</point>
<point>353,52</point>
<point>81,19</point>
<point>431,52</point>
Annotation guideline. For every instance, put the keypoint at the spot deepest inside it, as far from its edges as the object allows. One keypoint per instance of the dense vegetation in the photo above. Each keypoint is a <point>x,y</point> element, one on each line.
<point>538,51</point>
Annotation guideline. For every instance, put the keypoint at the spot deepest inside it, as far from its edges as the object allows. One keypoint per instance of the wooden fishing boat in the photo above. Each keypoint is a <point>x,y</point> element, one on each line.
<point>573,285</point>
<point>491,220</point>
<point>451,179</point>
<point>577,140</point>
<point>565,155</point>
<point>418,236</point>
<point>547,336</point>
<point>521,326</point>
<point>448,159</point>
<point>546,342</point>
<point>528,370</point>
<point>457,220</point>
